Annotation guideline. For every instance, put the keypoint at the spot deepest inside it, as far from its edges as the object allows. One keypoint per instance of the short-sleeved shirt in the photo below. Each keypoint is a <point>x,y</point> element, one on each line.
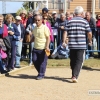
<point>40,34</point>
<point>77,29</point>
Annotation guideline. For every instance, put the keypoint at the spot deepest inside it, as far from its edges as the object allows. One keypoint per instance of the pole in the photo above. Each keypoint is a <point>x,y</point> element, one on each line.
<point>65,6</point>
<point>47,4</point>
<point>3,7</point>
<point>93,8</point>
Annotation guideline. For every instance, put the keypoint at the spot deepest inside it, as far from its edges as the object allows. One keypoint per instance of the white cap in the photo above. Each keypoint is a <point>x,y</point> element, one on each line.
<point>18,18</point>
<point>54,12</point>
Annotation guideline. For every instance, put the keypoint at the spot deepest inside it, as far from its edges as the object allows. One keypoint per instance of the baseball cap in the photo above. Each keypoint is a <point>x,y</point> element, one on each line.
<point>45,9</point>
<point>54,12</point>
<point>18,18</point>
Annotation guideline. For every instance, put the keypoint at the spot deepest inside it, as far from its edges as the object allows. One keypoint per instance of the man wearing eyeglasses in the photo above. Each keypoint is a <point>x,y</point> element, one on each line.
<point>41,43</point>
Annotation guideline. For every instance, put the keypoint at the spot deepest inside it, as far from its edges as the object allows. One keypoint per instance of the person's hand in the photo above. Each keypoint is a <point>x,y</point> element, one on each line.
<point>90,43</point>
<point>52,54</point>
<point>24,24</point>
<point>10,32</point>
<point>64,45</point>
<point>62,27</point>
<point>47,49</point>
<point>21,40</point>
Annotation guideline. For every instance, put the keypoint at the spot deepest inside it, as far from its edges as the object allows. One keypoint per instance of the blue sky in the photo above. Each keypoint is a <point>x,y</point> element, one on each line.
<point>11,7</point>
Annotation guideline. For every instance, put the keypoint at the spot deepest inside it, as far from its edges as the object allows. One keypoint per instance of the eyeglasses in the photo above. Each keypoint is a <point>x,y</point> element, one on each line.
<point>45,18</point>
<point>37,20</point>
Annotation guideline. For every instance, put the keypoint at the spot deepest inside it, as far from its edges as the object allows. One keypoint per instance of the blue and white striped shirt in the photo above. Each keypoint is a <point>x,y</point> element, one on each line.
<point>77,29</point>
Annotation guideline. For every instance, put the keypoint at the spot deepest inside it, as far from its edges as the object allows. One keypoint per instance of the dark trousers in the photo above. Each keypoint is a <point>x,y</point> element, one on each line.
<point>76,60</point>
<point>40,61</point>
<point>98,43</point>
<point>57,56</point>
<point>13,55</point>
<point>24,50</point>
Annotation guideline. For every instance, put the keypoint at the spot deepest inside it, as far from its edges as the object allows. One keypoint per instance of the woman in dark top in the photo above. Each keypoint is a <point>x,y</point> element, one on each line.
<point>13,34</point>
<point>3,34</point>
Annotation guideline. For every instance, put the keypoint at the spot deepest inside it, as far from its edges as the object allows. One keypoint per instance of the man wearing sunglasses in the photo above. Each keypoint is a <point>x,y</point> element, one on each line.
<point>41,43</point>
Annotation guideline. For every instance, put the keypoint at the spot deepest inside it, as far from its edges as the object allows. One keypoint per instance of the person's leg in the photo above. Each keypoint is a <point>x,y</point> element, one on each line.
<point>18,54</point>
<point>58,39</point>
<point>2,67</point>
<point>43,62</point>
<point>24,50</point>
<point>61,57</point>
<point>77,63</point>
<point>30,51</point>
<point>99,46</point>
<point>13,55</point>
<point>72,57</point>
<point>35,59</point>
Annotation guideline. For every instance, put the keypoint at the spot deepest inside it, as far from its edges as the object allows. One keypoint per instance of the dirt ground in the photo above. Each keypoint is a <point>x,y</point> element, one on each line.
<point>56,85</point>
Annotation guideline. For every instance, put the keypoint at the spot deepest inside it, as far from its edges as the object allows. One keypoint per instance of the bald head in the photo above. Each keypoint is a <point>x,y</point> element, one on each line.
<point>88,15</point>
<point>38,20</point>
<point>68,14</point>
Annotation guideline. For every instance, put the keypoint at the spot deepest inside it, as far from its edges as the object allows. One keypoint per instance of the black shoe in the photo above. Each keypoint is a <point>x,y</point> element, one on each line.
<point>4,72</point>
<point>40,78</point>
<point>17,66</point>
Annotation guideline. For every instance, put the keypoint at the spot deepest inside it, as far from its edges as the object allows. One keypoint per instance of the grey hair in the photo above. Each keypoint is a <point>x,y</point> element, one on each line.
<point>62,14</point>
<point>39,15</point>
<point>78,10</point>
<point>36,12</point>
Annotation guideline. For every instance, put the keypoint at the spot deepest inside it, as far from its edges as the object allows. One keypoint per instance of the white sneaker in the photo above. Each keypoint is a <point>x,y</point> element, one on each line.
<point>31,64</point>
<point>74,80</point>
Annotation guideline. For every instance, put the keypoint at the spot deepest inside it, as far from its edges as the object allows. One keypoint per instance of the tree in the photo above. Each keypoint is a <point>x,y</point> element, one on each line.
<point>19,11</point>
<point>26,5</point>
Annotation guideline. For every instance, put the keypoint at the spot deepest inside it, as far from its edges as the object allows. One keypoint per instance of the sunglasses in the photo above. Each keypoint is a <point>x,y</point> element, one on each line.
<point>45,18</point>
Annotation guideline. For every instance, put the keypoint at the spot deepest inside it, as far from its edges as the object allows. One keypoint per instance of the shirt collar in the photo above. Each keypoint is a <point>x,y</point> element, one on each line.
<point>40,26</point>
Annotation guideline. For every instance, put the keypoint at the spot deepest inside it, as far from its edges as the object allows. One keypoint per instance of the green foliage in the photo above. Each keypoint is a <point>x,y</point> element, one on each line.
<point>26,5</point>
<point>18,12</point>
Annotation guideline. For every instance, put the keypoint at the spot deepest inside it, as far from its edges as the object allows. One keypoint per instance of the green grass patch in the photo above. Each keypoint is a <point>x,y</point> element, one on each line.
<point>66,63</point>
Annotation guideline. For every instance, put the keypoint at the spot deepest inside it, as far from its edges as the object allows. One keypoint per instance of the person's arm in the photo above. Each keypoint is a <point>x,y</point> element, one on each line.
<point>51,33</point>
<point>89,33</point>
<point>89,36</point>
<point>16,32</point>
<point>94,23</point>
<point>64,37</point>
<point>47,43</point>
<point>28,29</point>
<point>47,34</point>
<point>22,32</point>
<point>56,49</point>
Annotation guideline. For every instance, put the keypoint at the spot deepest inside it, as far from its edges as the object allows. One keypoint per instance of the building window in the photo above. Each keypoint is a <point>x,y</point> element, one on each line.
<point>53,4</point>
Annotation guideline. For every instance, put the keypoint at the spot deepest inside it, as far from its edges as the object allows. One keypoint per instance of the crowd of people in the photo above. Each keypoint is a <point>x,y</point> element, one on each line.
<point>62,37</point>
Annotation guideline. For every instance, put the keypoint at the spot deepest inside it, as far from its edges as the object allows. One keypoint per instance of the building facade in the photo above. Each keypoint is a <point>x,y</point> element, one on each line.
<point>58,5</point>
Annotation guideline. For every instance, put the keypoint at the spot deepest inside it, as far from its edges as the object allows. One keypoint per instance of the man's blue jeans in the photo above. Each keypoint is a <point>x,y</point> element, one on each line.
<point>18,53</point>
<point>30,51</point>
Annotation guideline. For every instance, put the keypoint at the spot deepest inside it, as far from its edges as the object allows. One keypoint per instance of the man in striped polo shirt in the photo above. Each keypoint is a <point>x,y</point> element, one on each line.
<point>77,29</point>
